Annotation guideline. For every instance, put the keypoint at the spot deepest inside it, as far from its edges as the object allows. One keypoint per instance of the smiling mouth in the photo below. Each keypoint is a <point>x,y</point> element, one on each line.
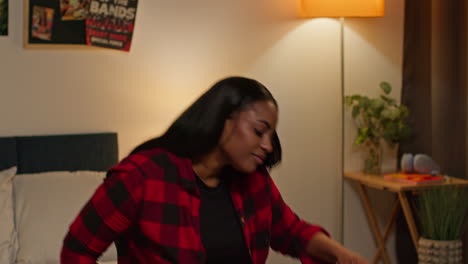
<point>258,158</point>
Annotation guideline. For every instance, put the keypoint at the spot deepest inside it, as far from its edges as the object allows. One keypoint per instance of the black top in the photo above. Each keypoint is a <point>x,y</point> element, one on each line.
<point>220,226</point>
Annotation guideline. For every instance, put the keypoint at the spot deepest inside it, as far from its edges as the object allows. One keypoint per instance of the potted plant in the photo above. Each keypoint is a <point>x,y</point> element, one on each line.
<point>442,212</point>
<point>377,119</point>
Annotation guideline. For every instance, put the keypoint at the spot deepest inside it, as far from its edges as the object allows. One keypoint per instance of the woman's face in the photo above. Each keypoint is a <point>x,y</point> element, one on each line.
<point>247,136</point>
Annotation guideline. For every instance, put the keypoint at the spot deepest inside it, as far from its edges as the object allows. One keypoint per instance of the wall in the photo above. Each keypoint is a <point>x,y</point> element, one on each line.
<point>180,48</point>
<point>373,53</point>
<point>303,73</point>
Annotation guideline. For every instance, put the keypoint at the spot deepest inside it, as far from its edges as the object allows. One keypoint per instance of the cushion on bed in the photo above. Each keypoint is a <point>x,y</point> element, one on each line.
<point>45,205</point>
<point>7,225</point>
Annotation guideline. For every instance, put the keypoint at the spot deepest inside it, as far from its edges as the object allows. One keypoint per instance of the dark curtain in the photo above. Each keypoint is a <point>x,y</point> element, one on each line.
<point>435,90</point>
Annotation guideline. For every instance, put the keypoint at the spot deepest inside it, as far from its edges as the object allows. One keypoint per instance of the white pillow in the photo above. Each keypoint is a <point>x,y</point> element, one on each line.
<point>8,244</point>
<point>45,206</point>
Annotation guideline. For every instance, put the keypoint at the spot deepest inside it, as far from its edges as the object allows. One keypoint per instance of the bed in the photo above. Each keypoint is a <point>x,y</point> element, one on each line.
<point>44,182</point>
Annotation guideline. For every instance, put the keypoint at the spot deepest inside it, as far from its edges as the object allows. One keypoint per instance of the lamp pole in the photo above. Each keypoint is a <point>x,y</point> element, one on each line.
<point>341,9</point>
<point>342,127</point>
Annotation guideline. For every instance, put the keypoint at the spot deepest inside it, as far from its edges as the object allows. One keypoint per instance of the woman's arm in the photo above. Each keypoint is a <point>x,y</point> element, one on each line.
<point>310,243</point>
<point>289,233</point>
<point>109,212</point>
<point>323,247</point>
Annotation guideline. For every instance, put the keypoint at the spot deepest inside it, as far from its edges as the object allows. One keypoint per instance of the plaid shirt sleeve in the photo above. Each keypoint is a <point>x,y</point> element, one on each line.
<point>290,234</point>
<point>109,212</point>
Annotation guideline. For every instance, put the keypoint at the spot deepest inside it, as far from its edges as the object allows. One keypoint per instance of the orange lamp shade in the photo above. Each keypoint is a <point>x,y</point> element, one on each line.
<point>343,8</point>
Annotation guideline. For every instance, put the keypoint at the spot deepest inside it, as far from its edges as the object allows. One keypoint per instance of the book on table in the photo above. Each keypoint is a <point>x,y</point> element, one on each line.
<point>414,178</point>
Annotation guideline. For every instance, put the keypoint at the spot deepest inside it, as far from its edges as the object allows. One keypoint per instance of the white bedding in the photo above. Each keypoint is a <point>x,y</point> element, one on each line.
<point>45,205</point>
<point>8,234</point>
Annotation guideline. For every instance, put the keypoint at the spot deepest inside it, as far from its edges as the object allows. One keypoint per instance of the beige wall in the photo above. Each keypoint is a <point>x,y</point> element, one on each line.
<point>180,48</point>
<point>304,74</point>
<point>374,49</point>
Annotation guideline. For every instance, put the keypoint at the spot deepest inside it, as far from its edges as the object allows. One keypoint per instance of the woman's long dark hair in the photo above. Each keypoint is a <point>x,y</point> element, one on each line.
<point>198,129</point>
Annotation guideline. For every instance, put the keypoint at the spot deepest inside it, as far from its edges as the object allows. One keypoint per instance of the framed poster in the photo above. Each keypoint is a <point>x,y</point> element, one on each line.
<point>55,24</point>
<point>3,17</point>
<point>79,23</point>
<point>110,23</point>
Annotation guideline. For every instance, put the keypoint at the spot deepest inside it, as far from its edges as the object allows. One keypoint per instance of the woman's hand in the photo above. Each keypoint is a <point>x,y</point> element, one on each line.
<point>349,257</point>
<point>327,249</point>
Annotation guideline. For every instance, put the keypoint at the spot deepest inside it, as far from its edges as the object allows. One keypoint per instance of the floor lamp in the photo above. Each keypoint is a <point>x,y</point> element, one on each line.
<point>341,9</point>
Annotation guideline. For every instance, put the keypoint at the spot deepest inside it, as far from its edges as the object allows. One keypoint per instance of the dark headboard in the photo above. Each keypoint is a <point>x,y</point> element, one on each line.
<point>97,152</point>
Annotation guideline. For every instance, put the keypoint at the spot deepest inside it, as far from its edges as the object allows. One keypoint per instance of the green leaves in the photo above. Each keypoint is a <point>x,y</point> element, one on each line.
<point>386,87</point>
<point>388,100</point>
<point>442,212</point>
<point>391,113</point>
<point>380,117</point>
<point>376,107</point>
<point>356,110</point>
<point>362,136</point>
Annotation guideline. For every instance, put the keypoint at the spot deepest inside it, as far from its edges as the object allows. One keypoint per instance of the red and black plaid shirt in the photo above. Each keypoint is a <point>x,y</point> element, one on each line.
<point>149,205</point>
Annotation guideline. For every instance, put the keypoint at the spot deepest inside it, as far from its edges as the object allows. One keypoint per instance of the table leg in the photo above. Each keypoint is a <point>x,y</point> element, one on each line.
<point>374,224</point>
<point>395,210</point>
<point>409,218</point>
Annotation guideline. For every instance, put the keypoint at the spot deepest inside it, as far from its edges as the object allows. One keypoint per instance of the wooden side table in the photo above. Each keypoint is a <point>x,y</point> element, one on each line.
<point>401,201</point>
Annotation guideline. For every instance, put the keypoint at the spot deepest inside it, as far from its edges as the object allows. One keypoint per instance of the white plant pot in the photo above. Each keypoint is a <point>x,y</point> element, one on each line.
<point>439,251</point>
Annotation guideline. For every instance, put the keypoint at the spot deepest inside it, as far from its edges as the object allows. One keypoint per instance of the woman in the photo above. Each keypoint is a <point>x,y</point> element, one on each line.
<point>201,193</point>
